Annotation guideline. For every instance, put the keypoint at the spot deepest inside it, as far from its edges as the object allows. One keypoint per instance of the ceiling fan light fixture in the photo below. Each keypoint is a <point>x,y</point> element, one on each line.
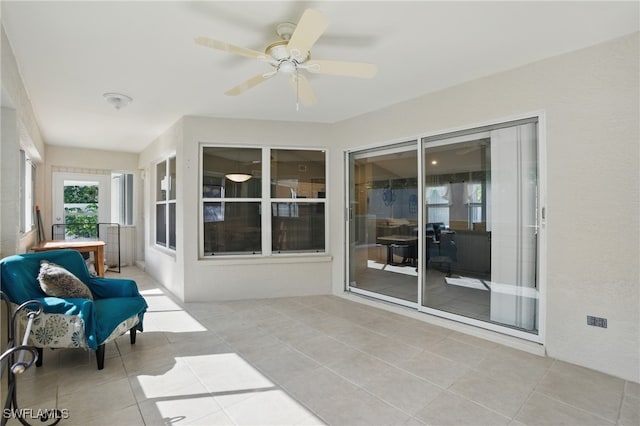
<point>238,177</point>
<point>118,100</point>
<point>287,67</point>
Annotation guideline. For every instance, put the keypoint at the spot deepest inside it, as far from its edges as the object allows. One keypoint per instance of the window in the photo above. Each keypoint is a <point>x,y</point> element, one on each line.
<point>122,198</point>
<point>474,203</point>
<point>27,192</point>
<point>297,200</point>
<point>438,204</point>
<point>166,203</point>
<point>235,195</point>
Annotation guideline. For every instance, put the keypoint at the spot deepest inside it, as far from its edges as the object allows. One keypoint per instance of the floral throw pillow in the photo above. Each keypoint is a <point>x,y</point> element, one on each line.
<point>58,282</point>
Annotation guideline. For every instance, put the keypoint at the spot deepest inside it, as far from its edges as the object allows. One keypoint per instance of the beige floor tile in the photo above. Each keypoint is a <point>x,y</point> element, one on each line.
<point>161,303</point>
<point>586,389</point>
<point>324,349</point>
<point>144,341</point>
<point>473,340</point>
<point>316,386</point>
<point>164,382</point>
<point>512,364</point>
<point>460,352</point>
<point>178,410</point>
<point>142,361</point>
<point>86,377</point>
<point>632,389</point>
<point>360,408</point>
<point>630,412</point>
<point>32,410</point>
<point>314,360</point>
<point>360,368</point>
<point>434,368</point>
<point>542,410</point>
<point>285,364</point>
<point>414,422</point>
<point>402,390</point>
<point>454,410</point>
<point>391,350</point>
<point>215,419</point>
<point>227,373</point>
<point>497,393</point>
<point>272,407</point>
<point>99,401</point>
<point>359,338</point>
<point>293,332</point>
<point>129,416</point>
<point>34,388</point>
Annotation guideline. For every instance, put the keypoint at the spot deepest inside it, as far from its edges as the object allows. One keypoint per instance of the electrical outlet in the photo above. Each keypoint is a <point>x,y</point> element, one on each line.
<point>596,321</point>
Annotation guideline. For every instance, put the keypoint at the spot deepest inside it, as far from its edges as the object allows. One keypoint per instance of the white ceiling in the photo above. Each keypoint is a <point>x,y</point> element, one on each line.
<point>70,53</point>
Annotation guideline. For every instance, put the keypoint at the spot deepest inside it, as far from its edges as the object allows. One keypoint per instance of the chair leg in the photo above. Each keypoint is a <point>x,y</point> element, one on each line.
<point>132,335</point>
<point>100,356</point>
<point>39,361</point>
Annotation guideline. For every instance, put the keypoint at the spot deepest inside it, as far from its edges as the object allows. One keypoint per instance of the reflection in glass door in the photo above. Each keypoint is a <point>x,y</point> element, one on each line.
<point>481,226</point>
<point>383,216</point>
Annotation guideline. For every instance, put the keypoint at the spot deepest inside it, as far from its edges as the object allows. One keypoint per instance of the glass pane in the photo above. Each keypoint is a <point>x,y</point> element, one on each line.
<point>162,183</point>
<point>480,237</point>
<point>172,225</point>
<point>384,224</point>
<point>298,173</point>
<point>172,178</point>
<point>161,224</point>
<point>231,172</point>
<point>297,227</point>
<point>81,209</point>
<point>128,199</point>
<point>232,227</point>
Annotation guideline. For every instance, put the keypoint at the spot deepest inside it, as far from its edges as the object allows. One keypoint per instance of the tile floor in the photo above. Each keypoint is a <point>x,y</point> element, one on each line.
<point>314,360</point>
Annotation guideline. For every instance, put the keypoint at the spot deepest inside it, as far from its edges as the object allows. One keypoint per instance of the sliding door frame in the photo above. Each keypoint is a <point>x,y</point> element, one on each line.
<point>542,214</point>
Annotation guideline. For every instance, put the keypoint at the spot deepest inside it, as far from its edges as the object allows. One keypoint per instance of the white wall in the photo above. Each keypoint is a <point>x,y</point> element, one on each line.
<point>19,131</point>
<point>163,265</point>
<point>591,101</point>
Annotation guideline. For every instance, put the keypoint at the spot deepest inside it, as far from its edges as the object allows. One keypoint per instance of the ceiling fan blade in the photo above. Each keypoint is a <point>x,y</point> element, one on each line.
<point>303,89</point>
<point>310,27</point>
<point>351,69</point>
<point>221,45</point>
<point>243,87</point>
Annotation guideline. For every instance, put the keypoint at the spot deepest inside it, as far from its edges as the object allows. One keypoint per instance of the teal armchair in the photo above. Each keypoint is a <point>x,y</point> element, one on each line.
<point>117,307</point>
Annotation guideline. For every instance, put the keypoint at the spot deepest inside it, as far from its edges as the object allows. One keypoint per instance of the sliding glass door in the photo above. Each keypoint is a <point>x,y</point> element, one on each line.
<point>383,196</point>
<point>453,231</point>
<point>481,234</point>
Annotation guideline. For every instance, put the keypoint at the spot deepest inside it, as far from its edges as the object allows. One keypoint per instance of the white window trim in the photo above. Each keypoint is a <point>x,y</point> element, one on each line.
<point>266,200</point>
<point>165,202</point>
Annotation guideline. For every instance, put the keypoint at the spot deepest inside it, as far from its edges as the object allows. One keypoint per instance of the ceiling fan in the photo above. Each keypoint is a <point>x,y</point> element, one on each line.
<point>291,54</point>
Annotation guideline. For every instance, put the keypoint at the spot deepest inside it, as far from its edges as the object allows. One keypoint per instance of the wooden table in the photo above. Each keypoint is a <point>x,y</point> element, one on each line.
<point>96,246</point>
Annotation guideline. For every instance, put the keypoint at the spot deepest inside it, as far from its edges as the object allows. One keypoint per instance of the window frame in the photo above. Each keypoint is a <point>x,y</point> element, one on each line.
<point>167,202</point>
<point>27,193</point>
<point>124,207</point>
<point>266,201</point>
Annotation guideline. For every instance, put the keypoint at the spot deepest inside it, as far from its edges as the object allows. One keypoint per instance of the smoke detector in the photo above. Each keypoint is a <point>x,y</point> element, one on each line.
<point>118,100</point>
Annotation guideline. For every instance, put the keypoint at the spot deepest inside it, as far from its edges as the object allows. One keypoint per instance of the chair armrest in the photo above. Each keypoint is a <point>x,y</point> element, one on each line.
<point>72,306</point>
<point>104,288</point>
